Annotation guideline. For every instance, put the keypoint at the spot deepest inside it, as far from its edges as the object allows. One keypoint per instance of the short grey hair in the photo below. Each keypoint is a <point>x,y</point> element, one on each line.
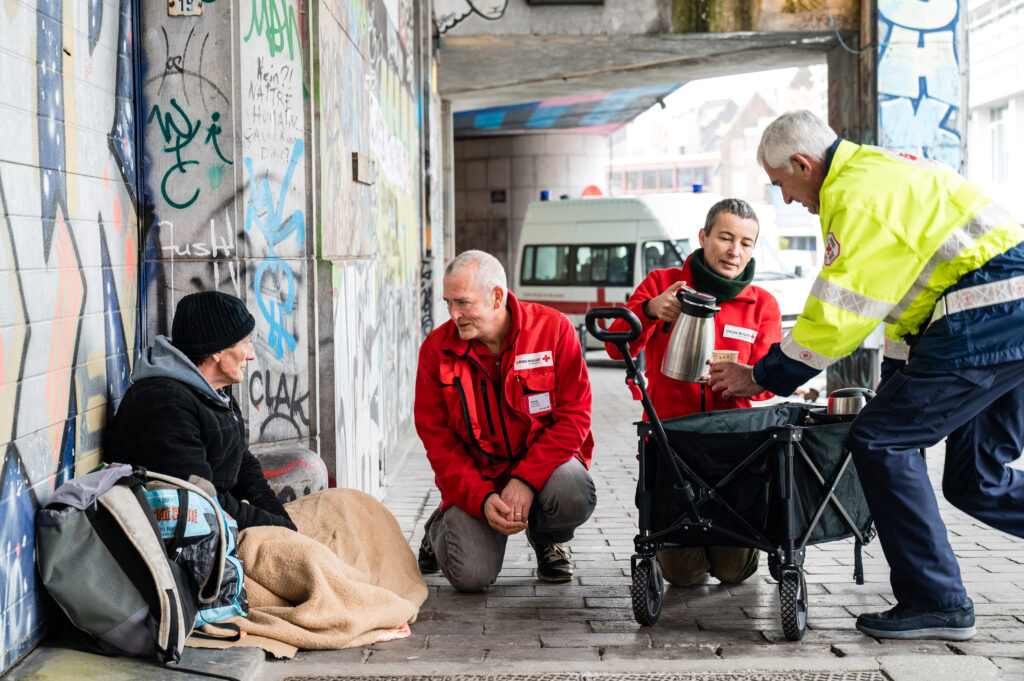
<point>796,132</point>
<point>737,207</point>
<point>489,272</point>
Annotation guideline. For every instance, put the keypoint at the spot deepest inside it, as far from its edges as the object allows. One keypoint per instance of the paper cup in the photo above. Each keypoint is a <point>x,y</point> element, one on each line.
<point>724,356</point>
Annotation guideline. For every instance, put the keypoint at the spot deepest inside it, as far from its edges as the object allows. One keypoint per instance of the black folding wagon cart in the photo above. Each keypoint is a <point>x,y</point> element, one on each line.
<point>776,478</point>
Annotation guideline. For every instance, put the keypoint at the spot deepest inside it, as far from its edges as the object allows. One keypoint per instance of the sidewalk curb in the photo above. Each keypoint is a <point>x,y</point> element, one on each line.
<point>896,667</point>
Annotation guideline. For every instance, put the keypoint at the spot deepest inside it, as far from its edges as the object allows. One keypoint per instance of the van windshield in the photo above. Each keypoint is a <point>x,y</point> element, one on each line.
<point>662,254</point>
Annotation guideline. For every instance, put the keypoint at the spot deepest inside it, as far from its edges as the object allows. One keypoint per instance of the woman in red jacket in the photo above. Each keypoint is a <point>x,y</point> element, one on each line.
<point>749,322</point>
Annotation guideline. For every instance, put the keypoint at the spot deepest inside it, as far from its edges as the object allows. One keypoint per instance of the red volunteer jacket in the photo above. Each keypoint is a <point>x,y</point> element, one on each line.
<point>750,323</point>
<point>477,439</point>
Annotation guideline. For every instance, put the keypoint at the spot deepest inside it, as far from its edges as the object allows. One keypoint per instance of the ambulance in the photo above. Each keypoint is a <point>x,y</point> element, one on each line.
<point>578,254</point>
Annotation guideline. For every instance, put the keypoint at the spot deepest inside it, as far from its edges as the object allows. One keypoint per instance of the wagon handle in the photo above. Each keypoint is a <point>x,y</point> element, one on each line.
<point>617,337</point>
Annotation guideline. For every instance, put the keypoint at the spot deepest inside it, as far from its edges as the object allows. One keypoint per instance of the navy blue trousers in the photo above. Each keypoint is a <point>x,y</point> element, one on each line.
<point>980,412</point>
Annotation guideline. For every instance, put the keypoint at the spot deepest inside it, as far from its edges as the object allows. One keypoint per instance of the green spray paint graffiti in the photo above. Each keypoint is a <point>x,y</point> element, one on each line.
<point>184,131</point>
<point>275,23</point>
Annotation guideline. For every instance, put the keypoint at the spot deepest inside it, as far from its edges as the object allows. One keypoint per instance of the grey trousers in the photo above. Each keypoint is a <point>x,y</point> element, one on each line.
<point>470,552</point>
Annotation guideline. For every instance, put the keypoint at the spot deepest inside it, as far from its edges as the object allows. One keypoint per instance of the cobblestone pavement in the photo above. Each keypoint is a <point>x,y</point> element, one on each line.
<point>521,620</point>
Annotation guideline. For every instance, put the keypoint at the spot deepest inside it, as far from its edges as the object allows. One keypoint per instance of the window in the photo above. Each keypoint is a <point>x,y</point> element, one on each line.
<point>650,179</point>
<point>615,180</point>
<point>546,265</point>
<point>604,265</point>
<point>685,177</point>
<point>661,254</point>
<point>1000,154</point>
<point>797,243</point>
<point>665,178</point>
<point>632,180</point>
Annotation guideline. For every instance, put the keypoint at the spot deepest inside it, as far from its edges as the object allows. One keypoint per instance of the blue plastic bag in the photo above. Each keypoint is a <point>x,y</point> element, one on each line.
<point>192,530</point>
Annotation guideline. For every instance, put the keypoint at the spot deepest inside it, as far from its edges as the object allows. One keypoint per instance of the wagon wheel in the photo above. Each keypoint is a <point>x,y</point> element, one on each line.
<point>793,598</point>
<point>647,590</point>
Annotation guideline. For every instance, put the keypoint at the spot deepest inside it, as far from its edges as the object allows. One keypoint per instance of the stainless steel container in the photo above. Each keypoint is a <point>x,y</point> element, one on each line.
<point>693,337</point>
<point>847,401</point>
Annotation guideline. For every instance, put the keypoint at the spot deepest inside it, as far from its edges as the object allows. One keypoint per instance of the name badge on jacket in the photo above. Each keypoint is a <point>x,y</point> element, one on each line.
<point>739,333</point>
<point>538,403</point>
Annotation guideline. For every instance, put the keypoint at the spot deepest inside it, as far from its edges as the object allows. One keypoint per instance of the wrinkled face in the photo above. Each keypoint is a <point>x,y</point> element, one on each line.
<point>476,313</point>
<point>227,367</point>
<point>729,246</point>
<point>802,184</point>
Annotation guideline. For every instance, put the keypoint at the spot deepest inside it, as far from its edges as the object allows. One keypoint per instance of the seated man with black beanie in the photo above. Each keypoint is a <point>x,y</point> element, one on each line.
<point>179,417</point>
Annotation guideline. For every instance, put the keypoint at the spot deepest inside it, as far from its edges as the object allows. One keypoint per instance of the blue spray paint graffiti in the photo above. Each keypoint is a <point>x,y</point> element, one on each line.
<point>919,88</point>
<point>268,216</point>
<point>122,132</point>
<point>20,624</point>
<point>52,158</point>
<point>116,344</point>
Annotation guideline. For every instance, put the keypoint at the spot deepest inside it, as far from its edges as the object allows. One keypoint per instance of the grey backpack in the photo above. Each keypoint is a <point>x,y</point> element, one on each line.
<point>102,559</point>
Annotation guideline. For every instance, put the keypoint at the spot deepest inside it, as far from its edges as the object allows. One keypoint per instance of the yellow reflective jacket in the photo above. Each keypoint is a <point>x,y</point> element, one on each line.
<point>898,231</point>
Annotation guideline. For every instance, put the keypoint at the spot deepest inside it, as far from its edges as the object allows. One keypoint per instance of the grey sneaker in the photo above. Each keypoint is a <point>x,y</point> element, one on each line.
<point>951,624</point>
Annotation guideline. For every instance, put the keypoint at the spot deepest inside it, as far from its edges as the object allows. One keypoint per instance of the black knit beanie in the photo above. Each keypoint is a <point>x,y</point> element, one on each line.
<point>208,322</point>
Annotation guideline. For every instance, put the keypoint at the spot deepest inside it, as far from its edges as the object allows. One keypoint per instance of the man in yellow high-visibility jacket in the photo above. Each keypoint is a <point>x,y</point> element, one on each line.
<point>914,244</point>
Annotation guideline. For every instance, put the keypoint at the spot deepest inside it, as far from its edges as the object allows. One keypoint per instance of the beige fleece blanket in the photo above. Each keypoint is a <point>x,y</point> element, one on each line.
<point>349,579</point>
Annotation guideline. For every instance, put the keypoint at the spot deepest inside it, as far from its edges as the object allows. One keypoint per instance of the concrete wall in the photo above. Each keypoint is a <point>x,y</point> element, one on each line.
<point>69,263</point>
<point>226,191</point>
<point>217,157</point>
<point>371,231</point>
<point>466,17</point>
<point>518,168</point>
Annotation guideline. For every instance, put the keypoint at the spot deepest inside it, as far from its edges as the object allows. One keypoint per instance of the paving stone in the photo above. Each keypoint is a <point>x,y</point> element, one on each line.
<point>536,602</point>
<point>599,640</point>
<point>694,651</point>
<point>484,642</point>
<point>432,626</point>
<point>794,649</point>
<point>587,654</point>
<point>439,655</point>
<point>501,628</point>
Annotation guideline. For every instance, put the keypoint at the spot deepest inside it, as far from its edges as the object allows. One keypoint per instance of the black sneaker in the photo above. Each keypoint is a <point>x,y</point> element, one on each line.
<point>951,624</point>
<point>554,561</point>
<point>427,559</point>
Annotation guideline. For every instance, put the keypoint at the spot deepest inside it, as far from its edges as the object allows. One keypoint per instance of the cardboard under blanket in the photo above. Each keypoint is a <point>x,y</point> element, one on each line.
<point>349,579</point>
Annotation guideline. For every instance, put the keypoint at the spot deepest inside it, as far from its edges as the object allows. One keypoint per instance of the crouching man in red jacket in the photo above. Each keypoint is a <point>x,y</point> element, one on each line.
<point>503,409</point>
<point>749,322</point>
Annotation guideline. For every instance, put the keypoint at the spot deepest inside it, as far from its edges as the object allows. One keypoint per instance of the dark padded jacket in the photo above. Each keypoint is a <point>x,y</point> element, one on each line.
<point>172,421</point>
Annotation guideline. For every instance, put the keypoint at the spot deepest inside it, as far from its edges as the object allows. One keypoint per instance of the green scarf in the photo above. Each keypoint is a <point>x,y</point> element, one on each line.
<point>707,281</point>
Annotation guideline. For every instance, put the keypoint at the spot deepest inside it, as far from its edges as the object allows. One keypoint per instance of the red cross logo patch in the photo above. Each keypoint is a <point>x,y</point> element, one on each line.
<point>546,358</point>
<point>832,248</point>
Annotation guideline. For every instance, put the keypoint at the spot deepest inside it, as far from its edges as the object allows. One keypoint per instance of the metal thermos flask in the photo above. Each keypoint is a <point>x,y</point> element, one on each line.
<point>693,337</point>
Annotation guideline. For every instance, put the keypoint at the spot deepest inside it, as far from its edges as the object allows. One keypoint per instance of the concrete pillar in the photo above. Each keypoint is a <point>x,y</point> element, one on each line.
<point>913,66</point>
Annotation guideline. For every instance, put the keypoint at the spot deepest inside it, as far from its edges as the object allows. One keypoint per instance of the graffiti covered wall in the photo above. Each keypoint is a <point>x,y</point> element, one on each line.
<point>68,260</point>
<point>921,103</point>
<point>369,117</point>
<point>226,189</point>
<point>274,176</point>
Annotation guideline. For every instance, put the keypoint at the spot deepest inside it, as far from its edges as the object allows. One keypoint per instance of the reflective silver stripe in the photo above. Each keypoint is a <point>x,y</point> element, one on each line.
<point>896,350</point>
<point>794,350</point>
<point>916,289</point>
<point>987,219</point>
<point>848,300</point>
<point>973,297</point>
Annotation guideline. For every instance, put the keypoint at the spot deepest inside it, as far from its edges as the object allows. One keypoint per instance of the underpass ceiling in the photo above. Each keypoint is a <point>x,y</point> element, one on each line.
<point>488,71</point>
